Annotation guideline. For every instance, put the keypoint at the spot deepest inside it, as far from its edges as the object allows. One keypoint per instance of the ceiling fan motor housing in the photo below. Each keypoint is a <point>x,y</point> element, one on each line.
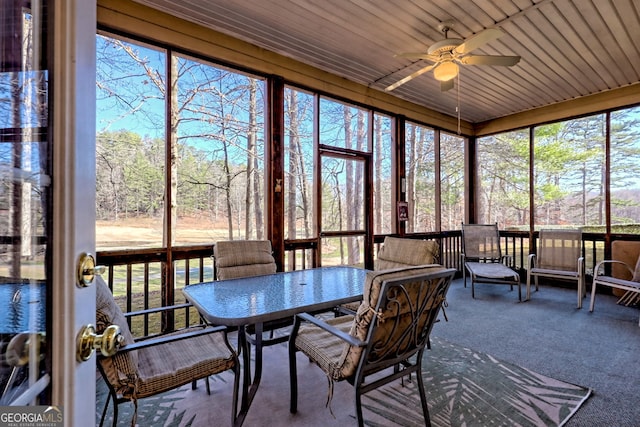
<point>446,45</point>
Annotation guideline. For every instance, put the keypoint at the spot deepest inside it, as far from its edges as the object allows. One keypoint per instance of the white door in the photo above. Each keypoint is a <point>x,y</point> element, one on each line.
<point>47,193</point>
<point>73,115</point>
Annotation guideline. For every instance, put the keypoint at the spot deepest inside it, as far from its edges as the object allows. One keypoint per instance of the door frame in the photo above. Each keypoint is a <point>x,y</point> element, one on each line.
<point>72,114</point>
<point>367,231</point>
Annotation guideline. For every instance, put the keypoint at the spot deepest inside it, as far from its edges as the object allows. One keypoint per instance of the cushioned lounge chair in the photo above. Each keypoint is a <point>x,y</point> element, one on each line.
<point>143,368</point>
<point>387,336</point>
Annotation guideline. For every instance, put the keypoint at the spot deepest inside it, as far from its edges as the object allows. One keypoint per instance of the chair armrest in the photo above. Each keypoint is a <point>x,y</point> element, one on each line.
<point>596,270</point>
<point>531,261</point>
<point>341,310</point>
<point>172,337</point>
<point>157,310</point>
<point>329,328</point>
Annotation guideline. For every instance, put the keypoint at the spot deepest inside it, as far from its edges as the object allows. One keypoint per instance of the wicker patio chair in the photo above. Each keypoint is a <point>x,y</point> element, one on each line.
<point>387,336</point>
<point>559,256</point>
<point>143,368</point>
<point>482,257</point>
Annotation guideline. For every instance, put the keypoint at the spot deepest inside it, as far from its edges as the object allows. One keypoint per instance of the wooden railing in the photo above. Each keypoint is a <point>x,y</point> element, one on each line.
<point>143,279</point>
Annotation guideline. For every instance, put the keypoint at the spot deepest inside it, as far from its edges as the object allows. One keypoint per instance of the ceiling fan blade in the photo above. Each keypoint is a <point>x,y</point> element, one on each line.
<point>409,77</point>
<point>445,86</point>
<point>478,40</point>
<point>490,60</point>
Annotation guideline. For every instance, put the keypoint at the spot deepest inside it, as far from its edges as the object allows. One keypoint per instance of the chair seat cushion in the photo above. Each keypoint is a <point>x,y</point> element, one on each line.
<point>324,348</point>
<point>492,270</point>
<point>336,357</point>
<point>166,366</point>
<point>353,306</point>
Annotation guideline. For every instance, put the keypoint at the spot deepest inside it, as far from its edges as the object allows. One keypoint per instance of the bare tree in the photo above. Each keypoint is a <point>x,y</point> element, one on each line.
<point>377,170</point>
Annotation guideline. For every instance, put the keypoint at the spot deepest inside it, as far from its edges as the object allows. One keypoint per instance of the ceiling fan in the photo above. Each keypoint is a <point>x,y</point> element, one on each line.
<point>448,53</point>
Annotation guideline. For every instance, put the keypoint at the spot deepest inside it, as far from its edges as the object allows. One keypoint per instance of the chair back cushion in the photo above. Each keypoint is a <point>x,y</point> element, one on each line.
<point>559,249</point>
<point>399,252</point>
<point>243,258</point>
<point>398,310</point>
<point>120,370</point>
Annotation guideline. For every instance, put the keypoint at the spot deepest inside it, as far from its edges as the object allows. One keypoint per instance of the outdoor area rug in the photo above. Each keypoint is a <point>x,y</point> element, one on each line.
<point>464,388</point>
<point>468,388</point>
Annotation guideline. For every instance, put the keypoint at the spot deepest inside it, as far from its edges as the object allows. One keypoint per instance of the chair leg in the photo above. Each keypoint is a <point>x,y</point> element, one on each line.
<point>593,296</point>
<point>106,406</point>
<point>579,294</point>
<point>293,379</point>
<point>423,397</point>
<point>234,404</point>
<point>115,413</point>
<point>359,407</point>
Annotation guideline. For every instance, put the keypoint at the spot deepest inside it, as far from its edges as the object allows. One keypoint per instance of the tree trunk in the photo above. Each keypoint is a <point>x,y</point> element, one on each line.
<point>252,197</point>
<point>293,171</point>
<point>377,209</point>
<point>350,181</point>
<point>168,237</point>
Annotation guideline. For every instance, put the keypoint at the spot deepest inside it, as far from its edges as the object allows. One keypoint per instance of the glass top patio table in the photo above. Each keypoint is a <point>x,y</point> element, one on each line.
<point>260,299</point>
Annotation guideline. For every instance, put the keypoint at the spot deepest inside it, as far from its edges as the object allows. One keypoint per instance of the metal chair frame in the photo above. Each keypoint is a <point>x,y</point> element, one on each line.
<point>197,367</point>
<point>397,334</point>
<point>482,258</point>
<point>559,256</point>
<point>631,288</point>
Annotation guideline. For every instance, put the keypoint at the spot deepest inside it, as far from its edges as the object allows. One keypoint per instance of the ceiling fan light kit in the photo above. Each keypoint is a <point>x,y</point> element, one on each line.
<point>446,71</point>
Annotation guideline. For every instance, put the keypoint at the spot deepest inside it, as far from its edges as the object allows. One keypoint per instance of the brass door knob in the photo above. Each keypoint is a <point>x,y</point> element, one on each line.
<point>87,269</point>
<point>108,343</point>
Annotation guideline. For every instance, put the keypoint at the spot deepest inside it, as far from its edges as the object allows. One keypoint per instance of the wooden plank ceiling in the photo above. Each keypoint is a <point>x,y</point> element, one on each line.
<point>569,48</point>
